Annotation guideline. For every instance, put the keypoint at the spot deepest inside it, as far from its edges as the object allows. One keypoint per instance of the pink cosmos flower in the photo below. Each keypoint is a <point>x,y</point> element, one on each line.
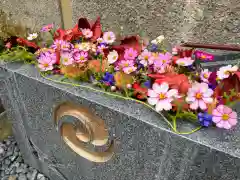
<point>66,46</point>
<point>186,61</point>
<point>199,95</point>
<point>67,58</point>
<point>45,63</point>
<point>80,57</point>
<point>127,66</point>
<point>158,66</point>
<point>87,33</point>
<point>130,54</point>
<point>165,58</point>
<point>205,74</point>
<point>146,58</point>
<point>8,45</point>
<point>224,117</point>
<point>47,28</point>
<point>204,56</point>
<point>57,44</point>
<point>109,37</point>
<point>161,96</point>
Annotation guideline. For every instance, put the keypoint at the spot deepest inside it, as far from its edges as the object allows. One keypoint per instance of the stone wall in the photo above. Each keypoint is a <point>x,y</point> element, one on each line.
<point>214,21</point>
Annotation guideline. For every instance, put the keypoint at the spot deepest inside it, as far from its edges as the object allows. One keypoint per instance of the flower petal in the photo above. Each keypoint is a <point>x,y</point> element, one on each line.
<point>190,99</point>
<point>226,125</point>
<point>227,110</point>
<point>220,124</point>
<point>216,119</point>
<point>216,113</point>
<point>152,93</point>
<point>232,121</point>
<point>207,100</point>
<point>202,104</point>
<point>194,105</point>
<point>220,109</point>
<point>164,87</point>
<point>233,115</point>
<point>172,92</point>
<point>152,100</point>
<point>167,105</point>
<point>208,93</point>
<point>160,106</point>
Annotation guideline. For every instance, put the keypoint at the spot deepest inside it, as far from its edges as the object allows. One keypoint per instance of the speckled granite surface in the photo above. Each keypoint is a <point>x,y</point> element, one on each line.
<point>189,20</point>
<point>145,148</point>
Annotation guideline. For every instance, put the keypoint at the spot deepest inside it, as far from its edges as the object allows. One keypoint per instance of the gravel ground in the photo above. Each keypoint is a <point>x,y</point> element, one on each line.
<point>12,166</point>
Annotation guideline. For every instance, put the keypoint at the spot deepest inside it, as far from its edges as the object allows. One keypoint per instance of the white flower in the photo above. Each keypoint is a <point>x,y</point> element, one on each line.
<point>174,51</point>
<point>32,36</point>
<point>199,95</point>
<point>161,96</point>
<point>83,46</point>
<point>158,40</point>
<point>87,33</point>
<point>205,74</point>
<point>186,61</point>
<point>225,71</point>
<point>112,57</point>
<point>109,37</point>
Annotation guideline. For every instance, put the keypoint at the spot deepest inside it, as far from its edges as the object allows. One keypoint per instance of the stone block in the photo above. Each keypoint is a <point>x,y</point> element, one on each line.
<point>144,147</point>
<point>203,21</point>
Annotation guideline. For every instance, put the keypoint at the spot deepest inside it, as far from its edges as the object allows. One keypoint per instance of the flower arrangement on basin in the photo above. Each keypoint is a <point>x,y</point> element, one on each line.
<point>170,82</point>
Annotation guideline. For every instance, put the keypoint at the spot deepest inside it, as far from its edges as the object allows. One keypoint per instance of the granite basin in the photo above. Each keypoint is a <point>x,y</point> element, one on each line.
<point>144,146</point>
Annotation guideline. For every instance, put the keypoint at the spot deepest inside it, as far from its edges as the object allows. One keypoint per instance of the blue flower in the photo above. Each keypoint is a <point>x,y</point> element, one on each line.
<point>108,79</point>
<point>154,48</point>
<point>140,66</point>
<point>148,84</point>
<point>205,119</point>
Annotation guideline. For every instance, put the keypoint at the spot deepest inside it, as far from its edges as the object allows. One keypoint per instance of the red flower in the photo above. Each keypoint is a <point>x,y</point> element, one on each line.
<point>226,85</point>
<point>27,43</point>
<point>139,92</point>
<point>175,81</point>
<point>96,27</point>
<point>67,35</point>
<point>126,43</point>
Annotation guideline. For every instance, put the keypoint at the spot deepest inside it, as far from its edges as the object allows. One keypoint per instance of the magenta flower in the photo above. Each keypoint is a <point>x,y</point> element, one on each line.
<point>204,56</point>
<point>67,58</point>
<point>87,33</point>
<point>45,63</point>
<point>224,117</point>
<point>127,66</point>
<point>80,57</point>
<point>146,58</point>
<point>47,28</point>
<point>158,66</point>
<point>57,44</point>
<point>130,54</point>
<point>50,55</point>
<point>199,95</point>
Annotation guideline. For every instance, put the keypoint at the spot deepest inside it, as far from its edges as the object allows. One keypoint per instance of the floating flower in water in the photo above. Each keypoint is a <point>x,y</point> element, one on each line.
<point>85,46</point>
<point>80,57</point>
<point>204,56</point>
<point>224,117</point>
<point>161,96</point>
<point>32,36</point>
<point>205,74</point>
<point>108,79</point>
<point>146,58</point>
<point>205,119</point>
<point>45,63</point>
<point>109,37</point>
<point>112,57</point>
<point>186,61</point>
<point>67,58</point>
<point>130,54</point>
<point>225,71</point>
<point>87,33</point>
<point>199,95</point>
<point>127,66</point>
<point>158,40</point>
<point>47,28</point>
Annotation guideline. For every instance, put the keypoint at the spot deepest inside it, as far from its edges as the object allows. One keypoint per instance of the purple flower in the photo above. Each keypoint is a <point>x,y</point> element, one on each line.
<point>80,57</point>
<point>205,119</point>
<point>108,79</point>
<point>213,80</point>
<point>154,48</point>
<point>47,28</point>
<point>148,84</point>
<point>63,45</point>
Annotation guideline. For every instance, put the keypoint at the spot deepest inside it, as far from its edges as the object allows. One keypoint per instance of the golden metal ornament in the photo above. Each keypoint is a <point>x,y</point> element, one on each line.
<point>93,132</point>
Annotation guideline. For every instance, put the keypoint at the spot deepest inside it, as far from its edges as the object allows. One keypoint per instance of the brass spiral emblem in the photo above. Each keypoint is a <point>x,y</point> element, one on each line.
<point>87,129</point>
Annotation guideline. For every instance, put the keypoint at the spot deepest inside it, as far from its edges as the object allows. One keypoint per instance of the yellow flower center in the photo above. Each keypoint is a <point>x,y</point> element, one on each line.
<point>114,57</point>
<point>130,54</point>
<point>205,75</point>
<point>226,72</point>
<point>162,96</point>
<point>126,64</point>
<point>109,38</point>
<point>65,59</point>
<point>181,63</point>
<point>146,58</point>
<point>82,58</point>
<point>225,117</point>
<point>203,57</point>
<point>164,61</point>
<point>45,65</point>
<point>199,96</point>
